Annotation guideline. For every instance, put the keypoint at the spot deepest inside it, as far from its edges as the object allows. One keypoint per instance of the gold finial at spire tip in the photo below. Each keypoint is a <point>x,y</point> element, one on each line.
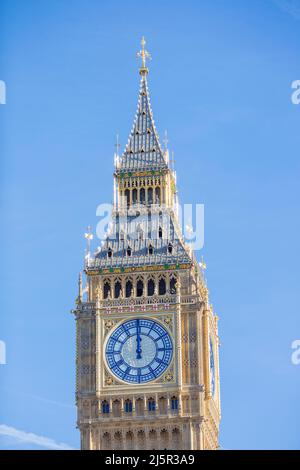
<point>144,55</point>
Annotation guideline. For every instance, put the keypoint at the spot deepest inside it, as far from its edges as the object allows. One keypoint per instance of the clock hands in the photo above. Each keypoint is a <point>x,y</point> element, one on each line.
<point>138,340</point>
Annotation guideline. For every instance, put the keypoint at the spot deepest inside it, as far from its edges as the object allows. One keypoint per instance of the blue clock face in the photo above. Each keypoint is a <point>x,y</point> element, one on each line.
<point>212,367</point>
<point>139,351</point>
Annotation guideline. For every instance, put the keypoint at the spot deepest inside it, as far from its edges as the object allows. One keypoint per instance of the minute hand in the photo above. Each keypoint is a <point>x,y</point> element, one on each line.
<point>138,341</point>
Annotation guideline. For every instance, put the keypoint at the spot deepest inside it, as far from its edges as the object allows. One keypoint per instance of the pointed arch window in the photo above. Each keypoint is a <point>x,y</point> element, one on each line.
<point>128,251</point>
<point>106,290</point>
<point>128,289</point>
<point>150,249</point>
<point>134,196</point>
<point>105,407</point>
<point>157,195</point>
<point>118,289</point>
<point>142,196</point>
<point>150,195</point>
<point>173,283</point>
<point>174,403</point>
<point>170,248</point>
<point>151,404</point>
<point>128,406</point>
<point>127,197</point>
<point>151,287</point>
<point>109,252</point>
<point>160,232</point>
<point>139,288</point>
<point>162,286</point>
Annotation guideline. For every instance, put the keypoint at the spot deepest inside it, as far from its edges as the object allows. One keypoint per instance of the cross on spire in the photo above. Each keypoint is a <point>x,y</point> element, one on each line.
<point>144,55</point>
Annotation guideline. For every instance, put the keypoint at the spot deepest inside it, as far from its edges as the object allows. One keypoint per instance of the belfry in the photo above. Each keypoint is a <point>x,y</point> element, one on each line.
<point>147,361</point>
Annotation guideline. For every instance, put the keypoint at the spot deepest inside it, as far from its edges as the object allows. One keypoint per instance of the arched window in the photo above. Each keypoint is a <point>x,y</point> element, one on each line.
<point>105,407</point>
<point>173,283</point>
<point>139,288</point>
<point>118,288</point>
<point>151,287</point>
<point>127,197</point>
<point>106,290</point>
<point>128,406</point>
<point>118,444</point>
<point>129,438</point>
<point>109,252</point>
<point>128,289</point>
<point>160,232</point>
<point>151,404</point>
<point>134,196</point>
<point>174,403</point>
<point>170,248</point>
<point>122,235</point>
<point>150,195</point>
<point>157,195</point>
<point>162,287</point>
<point>106,440</point>
<point>150,249</point>
<point>142,196</point>
<point>128,251</point>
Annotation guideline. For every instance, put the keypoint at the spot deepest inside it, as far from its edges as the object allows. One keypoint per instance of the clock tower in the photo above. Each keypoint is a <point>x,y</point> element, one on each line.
<point>147,361</point>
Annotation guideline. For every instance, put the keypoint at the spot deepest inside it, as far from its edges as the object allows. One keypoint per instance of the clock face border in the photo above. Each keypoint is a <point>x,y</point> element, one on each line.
<point>151,380</point>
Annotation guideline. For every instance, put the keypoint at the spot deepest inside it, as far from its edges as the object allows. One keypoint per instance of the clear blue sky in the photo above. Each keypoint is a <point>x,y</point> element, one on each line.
<point>220,82</point>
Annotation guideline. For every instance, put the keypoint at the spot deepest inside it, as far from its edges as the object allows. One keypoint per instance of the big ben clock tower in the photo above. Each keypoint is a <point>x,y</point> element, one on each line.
<point>147,363</point>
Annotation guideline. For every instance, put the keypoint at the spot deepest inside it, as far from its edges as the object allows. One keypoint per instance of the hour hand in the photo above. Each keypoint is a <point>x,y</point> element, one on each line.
<point>138,342</point>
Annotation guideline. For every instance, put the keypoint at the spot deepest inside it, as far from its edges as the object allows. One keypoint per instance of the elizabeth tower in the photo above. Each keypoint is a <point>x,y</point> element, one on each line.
<point>147,360</point>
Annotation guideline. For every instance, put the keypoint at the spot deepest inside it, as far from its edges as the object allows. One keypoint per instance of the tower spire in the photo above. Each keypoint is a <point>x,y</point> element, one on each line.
<point>144,55</point>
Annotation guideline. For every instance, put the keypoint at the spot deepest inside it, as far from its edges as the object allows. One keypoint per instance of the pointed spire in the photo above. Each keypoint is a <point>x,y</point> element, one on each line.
<point>143,150</point>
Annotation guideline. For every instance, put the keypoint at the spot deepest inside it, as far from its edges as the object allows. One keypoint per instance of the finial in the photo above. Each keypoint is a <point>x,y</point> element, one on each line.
<point>166,140</point>
<point>144,55</point>
<point>79,298</point>
<point>202,264</point>
<point>88,236</point>
<point>117,145</point>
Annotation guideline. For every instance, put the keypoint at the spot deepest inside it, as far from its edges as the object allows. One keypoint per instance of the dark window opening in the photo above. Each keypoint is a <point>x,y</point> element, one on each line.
<point>128,406</point>
<point>174,403</point>
<point>105,407</point>
<point>106,290</point>
<point>139,288</point>
<point>128,289</point>
<point>157,195</point>
<point>151,405</point>
<point>173,285</point>
<point>118,288</point>
<point>151,287</point>
<point>150,195</point>
<point>142,196</point>
<point>162,287</point>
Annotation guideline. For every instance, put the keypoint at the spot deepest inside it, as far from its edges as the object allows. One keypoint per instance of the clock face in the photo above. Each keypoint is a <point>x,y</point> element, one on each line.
<point>212,367</point>
<point>139,350</point>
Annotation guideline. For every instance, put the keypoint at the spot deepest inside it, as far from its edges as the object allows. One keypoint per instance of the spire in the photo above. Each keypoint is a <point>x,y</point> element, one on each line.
<point>143,150</point>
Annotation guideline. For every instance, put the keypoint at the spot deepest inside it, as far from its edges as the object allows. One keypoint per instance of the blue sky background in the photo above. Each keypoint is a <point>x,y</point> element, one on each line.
<point>220,82</point>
